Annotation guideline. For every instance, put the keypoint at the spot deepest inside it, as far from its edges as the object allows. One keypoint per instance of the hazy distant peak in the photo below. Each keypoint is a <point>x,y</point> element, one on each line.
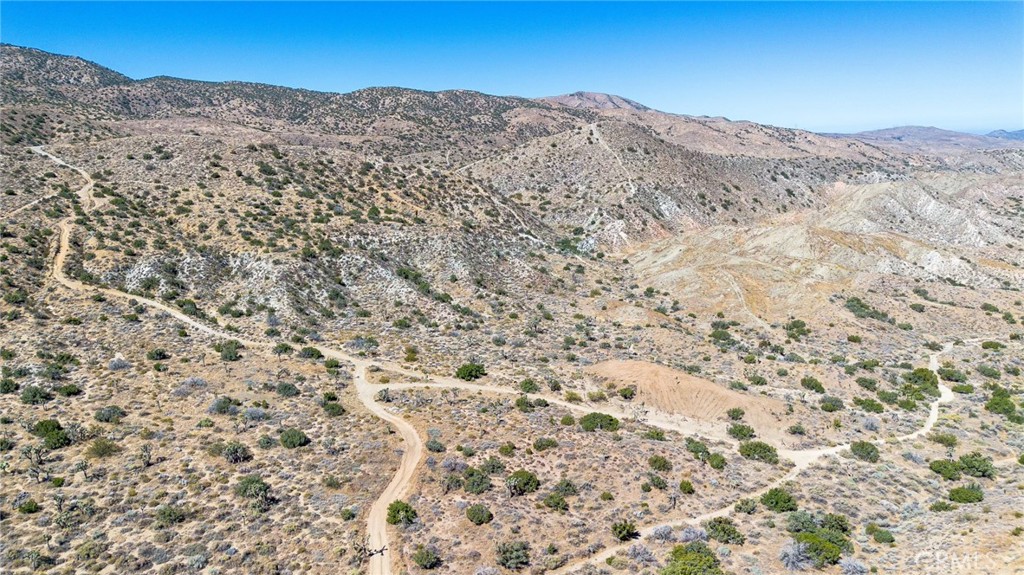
<point>1005,135</point>
<point>596,101</point>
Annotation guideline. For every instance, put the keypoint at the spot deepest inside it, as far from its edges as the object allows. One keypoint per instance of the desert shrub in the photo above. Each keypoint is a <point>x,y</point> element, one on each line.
<point>266,442</point>
<point>867,383</point>
<point>801,522</point>
<point>940,506</point>
<point>568,420</point>
<point>69,390</point>
<point>963,388</point>
<point>556,501</point>
<point>102,447</point>
<point>869,405</point>
<point>228,350</point>
<point>167,515</point>
<point>333,409</point>
<point>694,558</point>
<point>949,470</point>
<point>479,514</point>
<point>521,482</point>
<point>29,506</point>
<point>759,451</point>
<point>968,494</point>
<point>686,487</point>
<point>625,530</point>
<point>735,413</point>
<point>224,406</point>
<point>741,431</point>
<point>812,384</point>
<point>795,556</point>
<point>254,488</point>
<point>879,534</point>
<point>513,555</point>
<point>110,414</point>
<point>470,371</point>
<point>723,530</point>
<point>977,465</point>
<point>35,395</point>
<point>492,466</point>
<point>477,481</point>
<point>158,354</point>
<point>989,371</point>
<point>602,421</point>
<point>865,451</point>
<point>831,404</point>
<point>435,446</point>
<point>287,389</point>
<point>821,551</point>
<point>292,438</point>
<point>236,452</point>
<point>779,500</point>
<point>716,461</point>
<point>529,386</point>
<point>950,374</point>
<point>426,557</point>
<point>310,352</point>
<point>627,393</point>
<point>401,513</point>
<point>8,385</point>
<point>659,463</point>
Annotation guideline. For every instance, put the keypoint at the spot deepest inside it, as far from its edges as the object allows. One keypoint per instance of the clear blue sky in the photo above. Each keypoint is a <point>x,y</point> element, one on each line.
<point>833,66</point>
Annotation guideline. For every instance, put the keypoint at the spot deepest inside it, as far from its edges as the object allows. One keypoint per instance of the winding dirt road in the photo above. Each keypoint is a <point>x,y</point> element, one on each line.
<point>376,528</point>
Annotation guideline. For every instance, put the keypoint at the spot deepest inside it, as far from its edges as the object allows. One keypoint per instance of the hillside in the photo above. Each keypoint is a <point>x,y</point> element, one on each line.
<point>240,322</point>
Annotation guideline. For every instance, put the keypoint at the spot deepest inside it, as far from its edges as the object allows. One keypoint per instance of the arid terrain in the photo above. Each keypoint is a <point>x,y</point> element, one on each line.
<point>253,329</point>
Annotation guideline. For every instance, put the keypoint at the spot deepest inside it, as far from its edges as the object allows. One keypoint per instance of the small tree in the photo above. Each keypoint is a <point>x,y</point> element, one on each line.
<point>479,514</point>
<point>401,513</point>
<point>521,482</point>
<point>470,371</point>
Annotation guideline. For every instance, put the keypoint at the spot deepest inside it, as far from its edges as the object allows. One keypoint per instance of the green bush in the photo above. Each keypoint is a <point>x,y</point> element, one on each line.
<point>759,451</point>
<point>470,371</point>
<point>287,389</point>
<point>625,530</point>
<point>969,494</point>
<point>741,431</point>
<point>167,515</point>
<point>521,482</point>
<point>529,386</point>
<point>29,507</point>
<point>602,421</point>
<point>401,513</point>
<point>236,452</point>
<point>694,558</point>
<point>292,438</point>
<point>333,409</point>
<point>821,551</point>
<point>812,384</point>
<point>779,500</point>
<point>869,405</point>
<point>735,413</point>
<point>69,390</point>
<point>102,447</point>
<point>479,514</point>
<point>949,470</point>
<point>977,465</point>
<point>556,501</point>
<point>544,443</point>
<point>513,555</point>
<point>716,461</point>
<point>686,487</point>
<point>723,530</point>
<point>426,557</point>
<point>659,463</point>
<point>865,451</point>
<point>830,404</point>
<point>35,395</point>
<point>110,414</point>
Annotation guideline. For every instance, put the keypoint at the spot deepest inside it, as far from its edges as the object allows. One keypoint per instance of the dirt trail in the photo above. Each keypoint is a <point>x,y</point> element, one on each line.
<point>802,460</point>
<point>382,563</point>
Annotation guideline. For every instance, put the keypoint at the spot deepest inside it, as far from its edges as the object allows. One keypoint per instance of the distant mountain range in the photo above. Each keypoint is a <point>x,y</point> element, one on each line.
<point>1015,135</point>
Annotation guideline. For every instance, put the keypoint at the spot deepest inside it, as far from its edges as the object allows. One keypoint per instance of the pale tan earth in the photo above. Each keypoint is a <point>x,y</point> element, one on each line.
<point>363,246</point>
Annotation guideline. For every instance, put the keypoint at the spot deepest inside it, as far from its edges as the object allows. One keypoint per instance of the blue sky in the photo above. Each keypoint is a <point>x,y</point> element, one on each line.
<point>831,66</point>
